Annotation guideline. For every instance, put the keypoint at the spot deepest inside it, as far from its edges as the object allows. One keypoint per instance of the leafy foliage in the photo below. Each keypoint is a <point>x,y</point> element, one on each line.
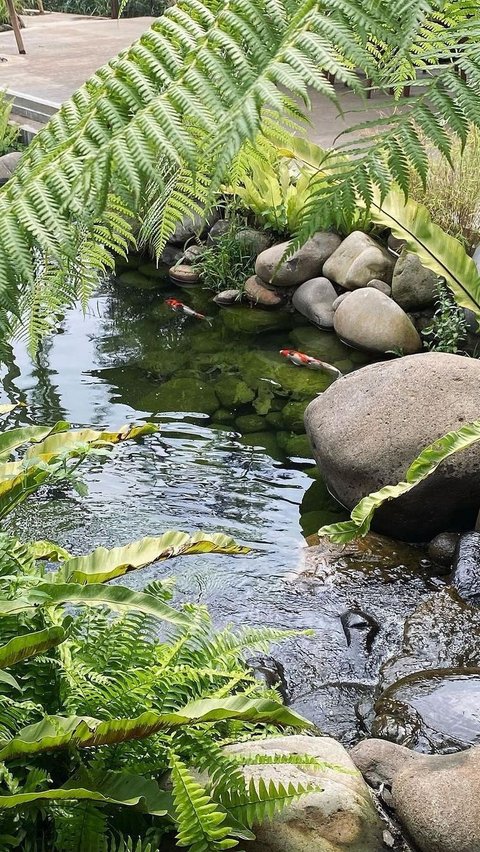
<point>452,190</point>
<point>227,263</point>
<point>424,465</point>
<point>174,110</point>
<point>96,706</point>
<point>9,132</point>
<point>448,331</point>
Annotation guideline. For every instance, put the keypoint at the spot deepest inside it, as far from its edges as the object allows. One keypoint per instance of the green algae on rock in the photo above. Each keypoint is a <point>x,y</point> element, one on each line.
<point>292,416</point>
<point>250,423</point>
<point>138,281</point>
<point>245,320</point>
<point>186,394</point>
<point>232,391</point>
<point>258,367</point>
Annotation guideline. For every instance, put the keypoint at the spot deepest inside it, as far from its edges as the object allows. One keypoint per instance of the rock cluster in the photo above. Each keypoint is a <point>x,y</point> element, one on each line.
<point>398,408</point>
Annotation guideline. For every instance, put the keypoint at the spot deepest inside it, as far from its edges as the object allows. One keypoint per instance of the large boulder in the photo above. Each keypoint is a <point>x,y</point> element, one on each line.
<point>370,320</point>
<point>256,292</point>
<point>368,427</point>
<point>413,286</point>
<point>340,818</point>
<point>307,262</point>
<point>436,797</point>
<point>357,261</point>
<point>314,299</point>
<point>8,164</point>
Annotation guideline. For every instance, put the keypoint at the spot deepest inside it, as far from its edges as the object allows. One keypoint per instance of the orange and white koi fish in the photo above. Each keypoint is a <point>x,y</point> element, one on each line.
<point>180,308</point>
<point>302,360</point>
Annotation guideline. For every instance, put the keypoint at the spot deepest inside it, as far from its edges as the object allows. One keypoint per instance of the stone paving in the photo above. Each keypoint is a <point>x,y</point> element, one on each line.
<point>64,50</point>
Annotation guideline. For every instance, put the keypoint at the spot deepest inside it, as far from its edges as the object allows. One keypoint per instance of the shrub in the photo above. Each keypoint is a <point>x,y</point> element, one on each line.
<point>452,193</point>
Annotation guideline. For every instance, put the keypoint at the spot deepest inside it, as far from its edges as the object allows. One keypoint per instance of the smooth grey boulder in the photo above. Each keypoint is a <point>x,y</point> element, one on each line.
<point>413,286</point>
<point>307,262</point>
<point>436,797</point>
<point>256,292</point>
<point>357,261</point>
<point>8,164</point>
<point>340,818</point>
<point>368,427</point>
<point>368,319</point>
<point>380,285</point>
<point>314,299</point>
<point>338,301</point>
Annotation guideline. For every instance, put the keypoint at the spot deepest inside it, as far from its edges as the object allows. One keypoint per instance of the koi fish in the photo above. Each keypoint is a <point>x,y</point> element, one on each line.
<point>302,360</point>
<point>180,308</point>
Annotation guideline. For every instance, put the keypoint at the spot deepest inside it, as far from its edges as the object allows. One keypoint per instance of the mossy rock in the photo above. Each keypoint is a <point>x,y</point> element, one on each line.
<point>233,391</point>
<point>189,394</point>
<point>297,446</point>
<point>250,423</point>
<point>275,420</point>
<point>298,382</point>
<point>158,273</point>
<point>266,440</point>
<point>137,281</point>
<point>292,416</point>
<point>208,342</point>
<point>164,362</point>
<point>245,320</point>
<point>321,344</point>
<point>222,416</point>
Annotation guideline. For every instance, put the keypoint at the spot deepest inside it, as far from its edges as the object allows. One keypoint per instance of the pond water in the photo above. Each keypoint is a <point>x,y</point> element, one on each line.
<point>230,457</point>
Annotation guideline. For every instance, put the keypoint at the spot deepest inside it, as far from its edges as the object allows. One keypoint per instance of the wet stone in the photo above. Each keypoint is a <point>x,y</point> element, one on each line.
<point>246,320</point>
<point>442,548</point>
<point>431,712</point>
<point>466,568</point>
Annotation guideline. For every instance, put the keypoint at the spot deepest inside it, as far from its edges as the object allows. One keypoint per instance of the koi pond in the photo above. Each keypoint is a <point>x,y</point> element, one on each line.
<point>231,457</point>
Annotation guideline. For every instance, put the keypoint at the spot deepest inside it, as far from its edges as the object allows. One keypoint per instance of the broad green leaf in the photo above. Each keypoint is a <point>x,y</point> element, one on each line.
<point>424,465</point>
<point>49,550</point>
<point>55,732</point>
<point>438,251</point>
<point>102,564</point>
<point>14,438</point>
<point>29,645</point>
<point>7,678</point>
<point>118,598</point>
<point>64,441</point>
<point>117,788</point>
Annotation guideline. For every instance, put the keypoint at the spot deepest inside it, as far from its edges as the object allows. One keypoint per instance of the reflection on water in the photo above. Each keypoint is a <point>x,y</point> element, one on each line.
<point>109,368</point>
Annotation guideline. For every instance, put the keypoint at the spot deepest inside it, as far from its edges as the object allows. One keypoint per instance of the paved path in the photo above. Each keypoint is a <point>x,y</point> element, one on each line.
<point>64,50</point>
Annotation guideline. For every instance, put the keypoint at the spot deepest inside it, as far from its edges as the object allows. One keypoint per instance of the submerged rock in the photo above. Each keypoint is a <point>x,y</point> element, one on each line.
<point>341,817</point>
<point>138,281</point>
<point>368,319</point>
<point>396,409</point>
<point>436,798</point>
<point>442,633</point>
<point>466,568</point>
<point>247,320</point>
<point>307,262</point>
<point>431,711</point>
<point>357,261</point>
<point>292,416</point>
<point>232,391</point>
<point>186,394</point>
<point>314,299</point>
<point>267,370</point>
<point>413,286</point>
<point>250,423</point>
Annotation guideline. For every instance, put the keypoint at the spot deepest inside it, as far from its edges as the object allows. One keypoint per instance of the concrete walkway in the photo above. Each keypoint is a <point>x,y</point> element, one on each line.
<point>64,50</point>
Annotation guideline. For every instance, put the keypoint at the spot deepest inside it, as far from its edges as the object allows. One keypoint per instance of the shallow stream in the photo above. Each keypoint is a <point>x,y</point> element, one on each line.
<point>132,359</point>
